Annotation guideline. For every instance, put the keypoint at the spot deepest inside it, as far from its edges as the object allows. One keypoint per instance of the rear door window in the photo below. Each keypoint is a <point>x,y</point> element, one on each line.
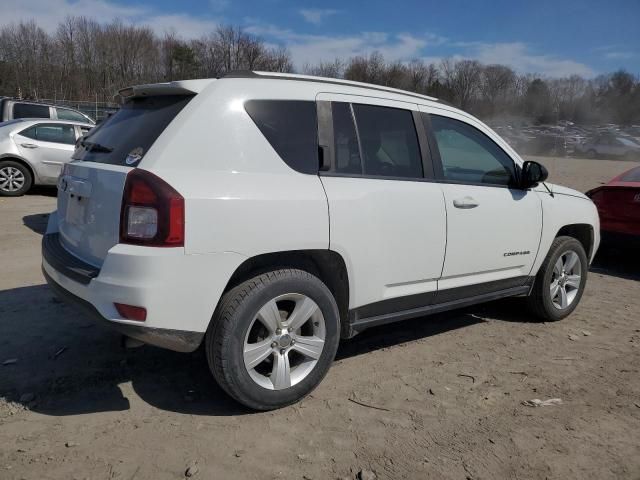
<point>28,110</point>
<point>132,129</point>
<point>388,141</point>
<point>290,126</point>
<point>51,132</point>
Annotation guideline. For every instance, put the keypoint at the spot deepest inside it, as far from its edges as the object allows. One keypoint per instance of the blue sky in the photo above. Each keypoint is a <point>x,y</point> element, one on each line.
<point>553,38</point>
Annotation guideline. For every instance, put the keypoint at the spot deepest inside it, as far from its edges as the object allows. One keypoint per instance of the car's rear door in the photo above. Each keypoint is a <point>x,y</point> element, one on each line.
<point>387,217</point>
<point>493,228</point>
<point>47,146</point>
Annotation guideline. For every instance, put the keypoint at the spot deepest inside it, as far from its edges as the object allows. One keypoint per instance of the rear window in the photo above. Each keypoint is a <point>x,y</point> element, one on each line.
<point>631,176</point>
<point>27,110</point>
<point>131,131</point>
<point>291,128</point>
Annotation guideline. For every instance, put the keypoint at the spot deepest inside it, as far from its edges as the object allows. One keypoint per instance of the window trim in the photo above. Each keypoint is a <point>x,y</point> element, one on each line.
<point>326,134</point>
<point>439,169</point>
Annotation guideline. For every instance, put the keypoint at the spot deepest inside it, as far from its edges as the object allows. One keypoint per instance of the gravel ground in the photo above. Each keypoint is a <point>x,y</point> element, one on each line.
<point>437,397</point>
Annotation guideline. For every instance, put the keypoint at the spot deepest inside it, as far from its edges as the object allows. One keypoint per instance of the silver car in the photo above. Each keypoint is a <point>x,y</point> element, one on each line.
<point>33,151</point>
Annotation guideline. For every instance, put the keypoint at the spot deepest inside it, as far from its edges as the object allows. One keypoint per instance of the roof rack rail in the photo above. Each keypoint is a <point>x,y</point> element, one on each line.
<point>332,81</point>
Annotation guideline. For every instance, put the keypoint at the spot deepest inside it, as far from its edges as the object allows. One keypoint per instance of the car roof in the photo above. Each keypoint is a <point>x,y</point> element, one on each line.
<point>190,87</point>
<point>32,121</point>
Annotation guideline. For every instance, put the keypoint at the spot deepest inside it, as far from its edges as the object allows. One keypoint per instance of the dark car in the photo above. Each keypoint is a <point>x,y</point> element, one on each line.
<point>618,204</point>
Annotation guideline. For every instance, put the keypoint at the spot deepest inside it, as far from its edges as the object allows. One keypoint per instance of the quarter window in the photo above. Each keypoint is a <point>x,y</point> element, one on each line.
<point>28,110</point>
<point>65,114</point>
<point>388,141</point>
<point>469,156</point>
<point>53,133</point>
<point>290,126</point>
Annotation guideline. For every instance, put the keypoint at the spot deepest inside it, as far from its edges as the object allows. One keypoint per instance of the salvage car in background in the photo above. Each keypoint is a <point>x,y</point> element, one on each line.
<point>618,204</point>
<point>32,152</point>
<point>608,145</point>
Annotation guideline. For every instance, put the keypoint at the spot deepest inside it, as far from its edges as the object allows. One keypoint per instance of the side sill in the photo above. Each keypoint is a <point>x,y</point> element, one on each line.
<point>361,324</point>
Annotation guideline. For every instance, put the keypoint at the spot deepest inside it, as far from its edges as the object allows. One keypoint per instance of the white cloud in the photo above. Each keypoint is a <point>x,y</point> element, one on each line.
<point>185,26</point>
<point>316,15</point>
<point>516,55</point>
<point>519,57</point>
<point>49,13</point>
<point>619,55</point>
<point>312,49</point>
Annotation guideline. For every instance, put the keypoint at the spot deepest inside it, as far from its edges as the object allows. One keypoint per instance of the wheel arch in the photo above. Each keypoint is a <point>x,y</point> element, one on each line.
<point>583,232</point>
<point>327,265</point>
<point>21,161</point>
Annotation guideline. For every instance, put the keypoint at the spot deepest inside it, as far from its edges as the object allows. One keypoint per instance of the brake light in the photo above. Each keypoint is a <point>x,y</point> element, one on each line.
<point>152,211</point>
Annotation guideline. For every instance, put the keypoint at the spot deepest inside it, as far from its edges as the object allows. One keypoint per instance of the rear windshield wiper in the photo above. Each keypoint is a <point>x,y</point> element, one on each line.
<point>95,147</point>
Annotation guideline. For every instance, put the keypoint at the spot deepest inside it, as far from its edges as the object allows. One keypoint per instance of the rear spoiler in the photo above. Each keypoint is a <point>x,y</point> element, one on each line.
<point>182,87</point>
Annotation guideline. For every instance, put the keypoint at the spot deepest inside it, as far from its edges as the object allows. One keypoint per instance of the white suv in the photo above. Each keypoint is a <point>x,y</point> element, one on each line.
<point>268,216</point>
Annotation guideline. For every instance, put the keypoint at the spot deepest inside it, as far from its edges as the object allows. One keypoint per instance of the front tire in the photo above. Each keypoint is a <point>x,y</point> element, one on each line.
<point>273,338</point>
<point>560,282</point>
<point>15,179</point>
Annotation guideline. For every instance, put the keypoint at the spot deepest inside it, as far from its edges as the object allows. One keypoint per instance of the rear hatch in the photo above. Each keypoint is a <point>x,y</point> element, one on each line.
<point>90,188</point>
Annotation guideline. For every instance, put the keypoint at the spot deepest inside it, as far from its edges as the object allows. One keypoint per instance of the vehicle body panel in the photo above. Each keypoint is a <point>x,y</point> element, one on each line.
<point>45,159</point>
<point>618,203</point>
<point>242,200</point>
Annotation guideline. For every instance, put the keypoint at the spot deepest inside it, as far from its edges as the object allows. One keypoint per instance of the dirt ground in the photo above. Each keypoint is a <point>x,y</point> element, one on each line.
<point>440,397</point>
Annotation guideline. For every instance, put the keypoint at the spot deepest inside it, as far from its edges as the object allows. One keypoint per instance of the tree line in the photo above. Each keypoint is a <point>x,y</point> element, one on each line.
<point>88,60</point>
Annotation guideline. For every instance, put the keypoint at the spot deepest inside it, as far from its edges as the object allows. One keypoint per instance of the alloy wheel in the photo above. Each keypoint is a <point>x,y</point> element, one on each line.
<point>565,280</point>
<point>284,341</point>
<point>11,179</point>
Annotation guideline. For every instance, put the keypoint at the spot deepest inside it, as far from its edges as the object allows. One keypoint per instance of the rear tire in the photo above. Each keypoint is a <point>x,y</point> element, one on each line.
<point>560,282</point>
<point>591,154</point>
<point>273,338</point>
<point>15,179</point>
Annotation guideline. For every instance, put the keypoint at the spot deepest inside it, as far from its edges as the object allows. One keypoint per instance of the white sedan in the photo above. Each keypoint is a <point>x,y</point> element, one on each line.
<point>33,151</point>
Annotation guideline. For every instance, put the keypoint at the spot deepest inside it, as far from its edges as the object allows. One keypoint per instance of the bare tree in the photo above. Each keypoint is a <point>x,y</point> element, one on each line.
<point>462,78</point>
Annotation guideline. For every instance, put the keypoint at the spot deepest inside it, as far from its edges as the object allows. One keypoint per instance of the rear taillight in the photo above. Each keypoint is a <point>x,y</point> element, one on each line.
<point>152,212</point>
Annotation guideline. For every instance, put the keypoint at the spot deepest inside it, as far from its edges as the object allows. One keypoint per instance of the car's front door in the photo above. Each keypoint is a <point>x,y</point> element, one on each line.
<point>386,219</point>
<point>493,228</point>
<point>47,146</point>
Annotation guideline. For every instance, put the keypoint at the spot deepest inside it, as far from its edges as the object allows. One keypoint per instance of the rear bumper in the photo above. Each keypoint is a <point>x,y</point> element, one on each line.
<point>177,340</point>
<point>179,291</point>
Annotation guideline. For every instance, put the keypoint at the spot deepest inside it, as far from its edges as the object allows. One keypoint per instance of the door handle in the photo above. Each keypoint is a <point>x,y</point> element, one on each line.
<point>28,145</point>
<point>465,202</point>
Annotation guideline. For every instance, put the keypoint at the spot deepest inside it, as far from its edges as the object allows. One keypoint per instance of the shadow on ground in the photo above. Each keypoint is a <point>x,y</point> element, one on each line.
<point>71,365</point>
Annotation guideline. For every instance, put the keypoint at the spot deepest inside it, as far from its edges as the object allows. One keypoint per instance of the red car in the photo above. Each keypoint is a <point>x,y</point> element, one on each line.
<point>618,204</point>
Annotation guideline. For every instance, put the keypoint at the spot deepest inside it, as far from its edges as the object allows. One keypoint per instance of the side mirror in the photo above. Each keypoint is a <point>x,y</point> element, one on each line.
<point>532,174</point>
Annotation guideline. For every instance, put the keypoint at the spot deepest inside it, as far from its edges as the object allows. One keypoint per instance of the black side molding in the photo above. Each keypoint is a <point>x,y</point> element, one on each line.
<point>378,314</point>
<point>64,262</point>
